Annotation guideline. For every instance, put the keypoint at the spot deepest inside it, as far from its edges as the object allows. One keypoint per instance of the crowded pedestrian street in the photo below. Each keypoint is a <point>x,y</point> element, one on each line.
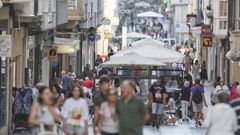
<point>119,67</point>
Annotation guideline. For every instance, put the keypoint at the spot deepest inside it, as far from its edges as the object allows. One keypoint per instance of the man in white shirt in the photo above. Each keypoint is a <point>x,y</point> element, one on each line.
<point>221,119</point>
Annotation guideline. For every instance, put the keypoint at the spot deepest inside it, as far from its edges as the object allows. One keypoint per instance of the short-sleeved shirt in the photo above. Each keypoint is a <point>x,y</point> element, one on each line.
<point>194,88</point>
<point>99,99</point>
<point>65,81</point>
<point>131,115</point>
<point>185,94</point>
<point>157,93</point>
<point>235,104</point>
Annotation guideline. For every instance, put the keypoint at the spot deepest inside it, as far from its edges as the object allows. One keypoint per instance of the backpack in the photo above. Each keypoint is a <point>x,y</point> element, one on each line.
<point>197,96</point>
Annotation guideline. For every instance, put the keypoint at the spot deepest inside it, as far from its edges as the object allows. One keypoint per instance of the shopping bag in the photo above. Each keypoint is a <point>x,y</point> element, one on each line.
<point>43,131</point>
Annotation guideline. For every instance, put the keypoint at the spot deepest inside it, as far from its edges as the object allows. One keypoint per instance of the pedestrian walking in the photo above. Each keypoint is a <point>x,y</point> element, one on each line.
<point>221,118</point>
<point>185,98</point>
<point>158,95</point>
<point>203,73</point>
<point>195,70</point>
<point>57,95</point>
<point>42,113</point>
<point>131,111</point>
<point>99,98</point>
<point>108,121</point>
<point>236,106</point>
<point>233,91</point>
<point>75,113</point>
<point>197,98</point>
<point>65,82</point>
<point>220,88</point>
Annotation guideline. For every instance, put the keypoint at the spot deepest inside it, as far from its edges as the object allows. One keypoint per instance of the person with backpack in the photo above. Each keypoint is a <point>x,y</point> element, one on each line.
<point>197,99</point>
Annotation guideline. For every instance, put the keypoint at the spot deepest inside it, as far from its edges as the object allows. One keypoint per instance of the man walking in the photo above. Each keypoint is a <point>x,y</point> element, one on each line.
<point>131,111</point>
<point>65,82</point>
<point>158,96</point>
<point>197,99</point>
<point>236,106</point>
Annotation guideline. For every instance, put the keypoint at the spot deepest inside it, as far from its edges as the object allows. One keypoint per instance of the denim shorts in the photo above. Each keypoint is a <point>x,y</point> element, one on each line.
<point>157,108</point>
<point>71,129</point>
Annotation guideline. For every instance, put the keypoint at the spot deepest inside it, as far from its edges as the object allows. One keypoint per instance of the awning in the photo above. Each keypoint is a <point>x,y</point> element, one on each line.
<point>65,45</point>
<point>234,54</point>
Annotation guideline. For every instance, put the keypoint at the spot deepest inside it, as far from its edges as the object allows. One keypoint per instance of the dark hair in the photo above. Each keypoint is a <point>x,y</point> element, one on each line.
<point>197,81</point>
<point>104,79</point>
<point>41,91</point>
<point>81,91</point>
<point>57,87</point>
<point>117,82</point>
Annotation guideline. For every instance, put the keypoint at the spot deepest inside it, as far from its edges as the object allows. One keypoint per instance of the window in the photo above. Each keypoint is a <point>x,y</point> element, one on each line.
<point>91,9</point>
<point>86,10</point>
<point>223,25</point>
<point>237,18</point>
<point>223,7</point>
<point>72,4</point>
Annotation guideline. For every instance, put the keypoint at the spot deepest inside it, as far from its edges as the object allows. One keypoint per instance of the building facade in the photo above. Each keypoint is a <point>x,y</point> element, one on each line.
<point>30,26</point>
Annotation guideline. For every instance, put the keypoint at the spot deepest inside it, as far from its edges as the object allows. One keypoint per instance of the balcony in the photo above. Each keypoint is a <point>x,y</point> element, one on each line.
<point>76,10</point>
<point>75,14</point>
<point>15,1</point>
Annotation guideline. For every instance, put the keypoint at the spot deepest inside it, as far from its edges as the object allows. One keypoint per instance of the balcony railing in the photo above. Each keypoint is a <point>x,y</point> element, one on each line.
<point>14,1</point>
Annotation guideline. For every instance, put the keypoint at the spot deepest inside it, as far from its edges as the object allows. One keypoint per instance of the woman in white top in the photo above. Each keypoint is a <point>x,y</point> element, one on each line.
<point>221,119</point>
<point>108,122</point>
<point>75,113</point>
<point>196,70</point>
<point>42,112</point>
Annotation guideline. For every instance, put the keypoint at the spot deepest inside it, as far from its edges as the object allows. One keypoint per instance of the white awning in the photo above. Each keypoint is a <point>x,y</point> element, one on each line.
<point>65,45</point>
<point>142,4</point>
<point>156,52</point>
<point>131,59</point>
<point>234,54</point>
<point>148,41</point>
<point>150,14</point>
<point>135,35</point>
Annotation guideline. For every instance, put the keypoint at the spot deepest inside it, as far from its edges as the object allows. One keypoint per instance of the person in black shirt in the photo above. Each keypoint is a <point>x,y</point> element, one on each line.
<point>185,97</point>
<point>158,96</point>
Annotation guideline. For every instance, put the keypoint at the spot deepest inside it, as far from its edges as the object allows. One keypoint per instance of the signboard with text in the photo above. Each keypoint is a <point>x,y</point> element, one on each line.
<point>206,36</point>
<point>52,53</point>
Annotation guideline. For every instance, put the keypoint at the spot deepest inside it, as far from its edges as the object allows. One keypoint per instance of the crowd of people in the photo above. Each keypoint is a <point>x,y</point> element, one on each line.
<point>115,112</point>
<point>118,108</point>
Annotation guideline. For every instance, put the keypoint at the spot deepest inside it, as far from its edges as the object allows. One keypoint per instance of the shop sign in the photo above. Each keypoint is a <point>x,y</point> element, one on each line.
<point>52,53</point>
<point>207,41</point>
<point>92,37</point>
<point>5,45</point>
<point>206,36</point>
<point>108,36</point>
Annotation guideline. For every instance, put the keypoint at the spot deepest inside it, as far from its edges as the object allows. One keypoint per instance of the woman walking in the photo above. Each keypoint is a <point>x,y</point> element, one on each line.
<point>42,112</point>
<point>75,113</point>
<point>108,117</point>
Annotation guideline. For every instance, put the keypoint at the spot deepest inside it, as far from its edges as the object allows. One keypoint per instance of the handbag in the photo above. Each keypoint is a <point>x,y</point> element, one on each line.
<point>43,131</point>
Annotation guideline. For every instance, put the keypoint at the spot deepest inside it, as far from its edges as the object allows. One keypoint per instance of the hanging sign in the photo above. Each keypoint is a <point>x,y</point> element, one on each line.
<point>206,36</point>
<point>52,53</point>
<point>5,45</point>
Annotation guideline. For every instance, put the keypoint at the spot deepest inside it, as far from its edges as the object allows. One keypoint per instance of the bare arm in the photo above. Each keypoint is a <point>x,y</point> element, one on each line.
<point>146,117</point>
<point>164,100</point>
<point>204,99</point>
<point>96,119</point>
<point>32,117</point>
<point>191,95</point>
